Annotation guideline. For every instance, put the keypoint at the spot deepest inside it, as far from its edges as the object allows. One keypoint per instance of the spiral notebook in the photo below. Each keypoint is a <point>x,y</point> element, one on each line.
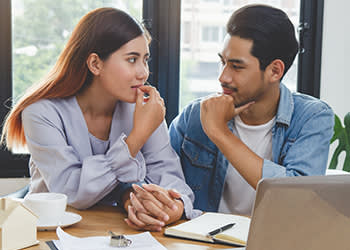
<point>200,227</point>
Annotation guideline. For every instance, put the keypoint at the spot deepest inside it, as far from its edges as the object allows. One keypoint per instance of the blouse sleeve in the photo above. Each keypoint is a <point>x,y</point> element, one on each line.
<point>85,180</point>
<point>164,168</point>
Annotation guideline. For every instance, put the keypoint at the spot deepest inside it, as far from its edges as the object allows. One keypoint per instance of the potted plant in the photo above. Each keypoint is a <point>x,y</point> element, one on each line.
<point>343,135</point>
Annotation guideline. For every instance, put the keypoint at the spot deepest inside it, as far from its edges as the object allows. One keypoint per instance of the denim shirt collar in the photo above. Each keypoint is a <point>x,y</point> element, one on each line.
<point>285,106</point>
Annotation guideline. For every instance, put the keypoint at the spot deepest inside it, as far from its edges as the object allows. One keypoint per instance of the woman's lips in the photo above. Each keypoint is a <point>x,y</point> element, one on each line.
<point>136,86</point>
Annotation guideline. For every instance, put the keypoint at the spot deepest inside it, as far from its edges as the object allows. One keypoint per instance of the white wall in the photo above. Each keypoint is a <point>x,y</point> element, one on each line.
<point>335,87</point>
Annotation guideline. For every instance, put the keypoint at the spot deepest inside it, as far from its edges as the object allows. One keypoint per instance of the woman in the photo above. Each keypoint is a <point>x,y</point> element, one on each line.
<point>89,131</point>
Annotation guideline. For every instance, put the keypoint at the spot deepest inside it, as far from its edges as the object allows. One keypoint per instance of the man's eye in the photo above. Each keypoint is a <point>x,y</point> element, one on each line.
<point>132,60</point>
<point>236,66</point>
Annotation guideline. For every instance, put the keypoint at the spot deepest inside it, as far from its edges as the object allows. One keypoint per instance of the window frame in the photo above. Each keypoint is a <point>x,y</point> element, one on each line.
<point>162,18</point>
<point>12,165</point>
<point>310,52</point>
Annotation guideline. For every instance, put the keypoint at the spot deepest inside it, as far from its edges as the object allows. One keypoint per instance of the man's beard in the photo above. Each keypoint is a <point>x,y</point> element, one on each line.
<point>237,105</point>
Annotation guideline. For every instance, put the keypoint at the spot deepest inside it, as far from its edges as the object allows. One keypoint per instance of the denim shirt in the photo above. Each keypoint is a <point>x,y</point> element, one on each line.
<point>300,144</point>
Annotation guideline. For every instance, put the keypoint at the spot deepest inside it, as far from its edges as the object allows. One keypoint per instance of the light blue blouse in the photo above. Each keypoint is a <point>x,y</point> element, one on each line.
<point>66,158</point>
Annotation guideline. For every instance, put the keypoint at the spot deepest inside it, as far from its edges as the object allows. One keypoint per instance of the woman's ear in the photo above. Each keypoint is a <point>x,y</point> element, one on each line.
<point>276,70</point>
<point>94,64</point>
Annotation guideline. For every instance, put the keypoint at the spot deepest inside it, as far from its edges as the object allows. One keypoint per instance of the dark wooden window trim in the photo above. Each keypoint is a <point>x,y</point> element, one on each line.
<point>310,37</point>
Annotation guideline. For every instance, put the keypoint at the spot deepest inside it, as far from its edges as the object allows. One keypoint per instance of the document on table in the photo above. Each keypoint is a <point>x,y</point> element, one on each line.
<point>138,241</point>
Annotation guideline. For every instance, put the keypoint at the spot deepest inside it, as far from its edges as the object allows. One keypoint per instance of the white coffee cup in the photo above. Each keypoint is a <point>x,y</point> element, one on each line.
<point>49,207</point>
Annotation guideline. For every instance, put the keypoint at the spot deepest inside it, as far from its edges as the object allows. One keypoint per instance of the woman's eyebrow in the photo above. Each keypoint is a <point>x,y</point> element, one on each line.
<point>136,54</point>
<point>133,54</point>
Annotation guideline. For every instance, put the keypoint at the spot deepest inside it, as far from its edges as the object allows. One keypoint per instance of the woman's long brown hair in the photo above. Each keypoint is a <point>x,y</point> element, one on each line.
<point>101,31</point>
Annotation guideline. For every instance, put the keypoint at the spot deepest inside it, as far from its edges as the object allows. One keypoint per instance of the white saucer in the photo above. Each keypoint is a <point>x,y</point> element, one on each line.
<point>68,219</point>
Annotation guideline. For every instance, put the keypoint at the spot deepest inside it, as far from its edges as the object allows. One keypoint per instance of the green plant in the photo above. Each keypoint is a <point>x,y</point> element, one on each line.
<point>343,135</point>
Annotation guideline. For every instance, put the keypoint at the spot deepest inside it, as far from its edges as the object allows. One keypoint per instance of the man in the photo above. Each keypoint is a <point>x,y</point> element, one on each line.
<point>256,128</point>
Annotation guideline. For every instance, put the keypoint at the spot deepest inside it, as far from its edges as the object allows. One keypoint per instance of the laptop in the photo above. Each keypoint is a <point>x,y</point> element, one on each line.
<point>305,212</point>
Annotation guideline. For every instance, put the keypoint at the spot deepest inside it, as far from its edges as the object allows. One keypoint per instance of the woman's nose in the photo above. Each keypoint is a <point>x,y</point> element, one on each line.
<point>143,71</point>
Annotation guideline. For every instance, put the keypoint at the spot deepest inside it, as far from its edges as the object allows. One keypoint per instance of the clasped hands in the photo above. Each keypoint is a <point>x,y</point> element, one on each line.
<point>151,207</point>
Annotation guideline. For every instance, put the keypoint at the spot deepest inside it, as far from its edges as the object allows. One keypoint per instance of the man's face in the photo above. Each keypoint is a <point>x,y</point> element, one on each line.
<point>241,76</point>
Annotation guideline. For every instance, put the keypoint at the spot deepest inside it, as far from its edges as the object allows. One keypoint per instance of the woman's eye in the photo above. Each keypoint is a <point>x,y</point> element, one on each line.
<point>132,60</point>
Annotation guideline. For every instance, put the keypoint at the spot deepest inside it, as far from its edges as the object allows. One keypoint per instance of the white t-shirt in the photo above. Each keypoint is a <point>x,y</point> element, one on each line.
<point>238,196</point>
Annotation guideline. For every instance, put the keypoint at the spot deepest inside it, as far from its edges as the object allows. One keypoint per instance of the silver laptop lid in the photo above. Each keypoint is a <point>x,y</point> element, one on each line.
<point>308,212</point>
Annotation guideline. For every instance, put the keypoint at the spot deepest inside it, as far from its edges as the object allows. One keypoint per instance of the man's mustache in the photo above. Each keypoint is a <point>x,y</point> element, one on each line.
<point>224,85</point>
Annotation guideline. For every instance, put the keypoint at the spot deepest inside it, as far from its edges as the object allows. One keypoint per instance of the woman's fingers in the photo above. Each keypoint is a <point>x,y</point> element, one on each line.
<point>132,216</point>
<point>152,92</point>
<point>148,227</point>
<point>153,204</point>
<point>174,194</point>
<point>142,220</point>
<point>136,203</point>
<point>145,195</point>
<point>162,195</point>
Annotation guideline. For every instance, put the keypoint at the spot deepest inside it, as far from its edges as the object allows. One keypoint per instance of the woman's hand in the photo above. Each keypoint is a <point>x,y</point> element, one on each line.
<point>153,207</point>
<point>147,118</point>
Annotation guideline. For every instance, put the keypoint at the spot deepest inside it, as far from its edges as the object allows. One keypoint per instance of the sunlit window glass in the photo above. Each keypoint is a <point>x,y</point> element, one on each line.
<point>202,33</point>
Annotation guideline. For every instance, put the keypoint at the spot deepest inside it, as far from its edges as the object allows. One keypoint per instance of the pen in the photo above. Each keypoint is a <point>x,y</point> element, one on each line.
<point>220,229</point>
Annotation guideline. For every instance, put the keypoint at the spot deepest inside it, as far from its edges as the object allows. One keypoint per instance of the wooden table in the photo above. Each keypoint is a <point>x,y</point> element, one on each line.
<point>98,220</point>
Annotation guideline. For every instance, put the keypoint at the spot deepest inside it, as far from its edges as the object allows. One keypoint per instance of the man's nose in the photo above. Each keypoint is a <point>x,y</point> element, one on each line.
<point>225,76</point>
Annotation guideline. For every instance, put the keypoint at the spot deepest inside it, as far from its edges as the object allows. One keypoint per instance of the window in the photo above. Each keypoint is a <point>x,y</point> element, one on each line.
<point>210,34</point>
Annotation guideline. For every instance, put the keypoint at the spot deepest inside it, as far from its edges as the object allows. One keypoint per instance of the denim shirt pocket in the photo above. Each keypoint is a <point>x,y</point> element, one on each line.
<point>198,163</point>
<point>198,154</point>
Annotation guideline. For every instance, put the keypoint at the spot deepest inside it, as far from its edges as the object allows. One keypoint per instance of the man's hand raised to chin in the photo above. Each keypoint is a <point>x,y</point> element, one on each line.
<point>216,111</point>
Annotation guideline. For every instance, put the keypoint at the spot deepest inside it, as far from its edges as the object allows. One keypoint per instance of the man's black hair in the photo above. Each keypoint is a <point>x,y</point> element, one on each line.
<point>271,31</point>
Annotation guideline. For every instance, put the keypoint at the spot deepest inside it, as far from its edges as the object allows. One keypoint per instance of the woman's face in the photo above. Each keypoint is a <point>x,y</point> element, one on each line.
<point>126,69</point>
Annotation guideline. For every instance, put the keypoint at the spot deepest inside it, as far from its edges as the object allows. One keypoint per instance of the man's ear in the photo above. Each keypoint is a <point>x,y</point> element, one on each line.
<point>275,70</point>
<point>94,64</point>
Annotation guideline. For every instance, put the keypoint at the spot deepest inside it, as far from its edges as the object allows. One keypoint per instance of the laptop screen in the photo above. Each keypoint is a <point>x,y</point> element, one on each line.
<point>306,212</point>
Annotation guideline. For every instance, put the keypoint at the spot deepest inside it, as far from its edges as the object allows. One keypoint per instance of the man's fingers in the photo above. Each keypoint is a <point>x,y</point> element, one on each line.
<point>242,108</point>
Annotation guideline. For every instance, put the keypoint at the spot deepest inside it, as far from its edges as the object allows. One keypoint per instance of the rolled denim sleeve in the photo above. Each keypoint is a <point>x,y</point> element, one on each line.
<point>306,153</point>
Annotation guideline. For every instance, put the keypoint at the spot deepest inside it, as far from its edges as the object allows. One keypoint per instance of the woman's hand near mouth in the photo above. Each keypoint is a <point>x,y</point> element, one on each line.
<point>147,117</point>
